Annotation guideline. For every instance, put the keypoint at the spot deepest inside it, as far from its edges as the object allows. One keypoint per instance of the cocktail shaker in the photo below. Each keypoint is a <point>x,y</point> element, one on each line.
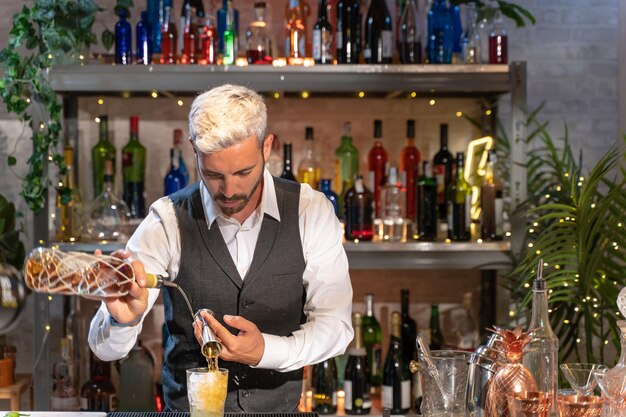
<point>483,365</point>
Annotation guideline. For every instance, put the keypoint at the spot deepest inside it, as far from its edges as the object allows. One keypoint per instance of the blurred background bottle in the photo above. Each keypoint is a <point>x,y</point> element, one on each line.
<point>134,171</point>
<point>359,212</point>
<point>325,387</point>
<point>309,170</point>
<point>373,339</point>
<point>356,382</point>
<point>102,151</point>
<point>396,392</point>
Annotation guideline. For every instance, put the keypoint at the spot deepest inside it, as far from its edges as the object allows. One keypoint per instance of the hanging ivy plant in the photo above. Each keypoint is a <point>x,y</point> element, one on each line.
<point>487,9</point>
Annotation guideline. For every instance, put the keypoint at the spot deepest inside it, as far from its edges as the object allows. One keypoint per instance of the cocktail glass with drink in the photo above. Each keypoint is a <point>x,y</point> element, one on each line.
<point>207,390</point>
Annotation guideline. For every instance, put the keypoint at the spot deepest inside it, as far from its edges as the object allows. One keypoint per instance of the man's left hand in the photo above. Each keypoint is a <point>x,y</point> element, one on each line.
<point>246,347</point>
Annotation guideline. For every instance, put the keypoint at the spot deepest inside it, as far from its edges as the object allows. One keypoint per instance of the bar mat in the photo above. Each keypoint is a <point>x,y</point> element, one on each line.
<point>179,414</point>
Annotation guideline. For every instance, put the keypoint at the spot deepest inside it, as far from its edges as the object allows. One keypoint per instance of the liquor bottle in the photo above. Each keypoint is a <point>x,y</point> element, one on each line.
<point>471,43</point>
<point>287,169</point>
<point>346,163</point>
<point>68,204</point>
<point>181,24</point>
<point>442,170</point>
<point>491,202</point>
<point>102,151</point>
<point>410,35</point>
<point>378,47</point>
<point>373,339</point>
<point>309,171</point>
<point>230,37</point>
<point>191,45</point>
<point>98,394</point>
<point>295,37</point>
<point>409,165</point>
<point>358,212</point>
<point>542,353</point>
<point>134,171</point>
<point>377,159</point>
<point>409,349</point>
<point>259,37</point>
<point>143,46</point>
<point>123,40</point>
<point>108,214</point>
<point>137,384</point>
<point>322,37</point>
<point>439,34</point>
<point>348,37</point>
<point>457,32</point>
<point>222,15</point>
<point>209,42</point>
<point>426,206</point>
<point>396,392</point>
<point>498,41</point>
<point>169,38</point>
<point>393,205</point>
<point>174,179</point>
<point>436,337</point>
<point>65,390</point>
<point>459,212</point>
<point>356,383</point>
<point>325,188</point>
<point>155,17</point>
<point>275,162</point>
<point>325,387</point>
<point>178,138</point>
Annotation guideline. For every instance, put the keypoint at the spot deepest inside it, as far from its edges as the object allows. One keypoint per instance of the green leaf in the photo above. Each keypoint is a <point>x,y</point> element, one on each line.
<point>11,161</point>
<point>107,38</point>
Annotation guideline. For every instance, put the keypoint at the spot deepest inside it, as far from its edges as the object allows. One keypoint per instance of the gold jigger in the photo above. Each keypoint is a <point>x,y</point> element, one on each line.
<point>579,406</point>
<point>530,404</point>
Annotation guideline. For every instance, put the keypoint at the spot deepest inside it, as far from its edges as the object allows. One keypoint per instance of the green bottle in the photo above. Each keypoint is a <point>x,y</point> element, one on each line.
<point>104,150</point>
<point>436,338</point>
<point>134,171</point>
<point>230,38</point>
<point>373,338</point>
<point>346,164</point>
<point>460,204</point>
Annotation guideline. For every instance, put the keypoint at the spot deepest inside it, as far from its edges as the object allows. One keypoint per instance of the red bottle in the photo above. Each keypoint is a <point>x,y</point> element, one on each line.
<point>209,42</point>
<point>377,164</point>
<point>498,42</point>
<point>169,39</point>
<point>191,47</point>
<point>409,166</point>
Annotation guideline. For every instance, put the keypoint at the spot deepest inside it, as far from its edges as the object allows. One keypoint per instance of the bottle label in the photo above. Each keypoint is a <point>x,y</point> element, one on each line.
<point>468,210</point>
<point>326,45</point>
<point>347,388</point>
<point>127,159</point>
<point>387,396</point>
<point>339,36</point>
<point>403,178</point>
<point>367,53</point>
<point>499,217</point>
<point>112,402</point>
<point>371,176</point>
<point>84,404</point>
<point>440,176</point>
<point>358,187</point>
<point>406,394</point>
<point>317,44</point>
<point>387,43</point>
<point>334,398</point>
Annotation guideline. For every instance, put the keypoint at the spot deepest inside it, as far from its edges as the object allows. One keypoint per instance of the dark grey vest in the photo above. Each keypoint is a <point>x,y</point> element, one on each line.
<point>271,295</point>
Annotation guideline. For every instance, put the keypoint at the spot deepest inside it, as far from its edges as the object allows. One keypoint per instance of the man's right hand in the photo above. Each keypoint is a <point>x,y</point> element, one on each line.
<point>131,307</point>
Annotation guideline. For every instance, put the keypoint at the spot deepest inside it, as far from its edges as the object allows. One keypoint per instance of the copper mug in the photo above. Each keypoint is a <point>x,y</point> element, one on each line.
<point>579,406</point>
<point>530,404</point>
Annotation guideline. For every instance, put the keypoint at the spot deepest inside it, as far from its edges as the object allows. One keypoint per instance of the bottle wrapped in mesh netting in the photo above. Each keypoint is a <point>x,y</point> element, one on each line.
<point>53,271</point>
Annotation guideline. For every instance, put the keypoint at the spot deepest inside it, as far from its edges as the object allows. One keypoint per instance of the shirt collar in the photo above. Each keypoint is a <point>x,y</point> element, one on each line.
<point>268,205</point>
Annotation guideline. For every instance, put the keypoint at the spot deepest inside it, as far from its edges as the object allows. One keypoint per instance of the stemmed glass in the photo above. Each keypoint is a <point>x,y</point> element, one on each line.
<point>613,387</point>
<point>580,376</point>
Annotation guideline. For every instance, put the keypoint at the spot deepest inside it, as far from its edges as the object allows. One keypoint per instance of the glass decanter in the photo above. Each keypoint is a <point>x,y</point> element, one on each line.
<point>612,382</point>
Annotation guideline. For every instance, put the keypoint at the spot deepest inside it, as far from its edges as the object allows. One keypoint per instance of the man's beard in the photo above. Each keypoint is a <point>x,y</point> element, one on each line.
<point>244,199</point>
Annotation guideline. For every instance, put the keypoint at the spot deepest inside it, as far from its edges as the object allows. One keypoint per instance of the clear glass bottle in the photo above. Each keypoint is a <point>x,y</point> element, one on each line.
<point>309,170</point>
<point>275,162</point>
<point>542,353</point>
<point>68,222</point>
<point>295,37</point>
<point>471,44</point>
<point>410,35</point>
<point>65,390</point>
<point>259,37</point>
<point>393,205</point>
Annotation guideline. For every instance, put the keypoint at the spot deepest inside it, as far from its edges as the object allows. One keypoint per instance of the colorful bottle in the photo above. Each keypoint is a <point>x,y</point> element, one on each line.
<point>393,204</point>
<point>356,383</point>
<point>460,204</point>
<point>373,339</point>
<point>378,47</point>
<point>123,40</point>
<point>409,166</point>
<point>169,39</point>
<point>457,33</point>
<point>498,41</point>
<point>358,210</point>
<point>396,393</point>
<point>174,179</point>
<point>409,349</point>
<point>209,42</point>
<point>143,50</point>
<point>191,44</point>
<point>134,171</point>
<point>436,337</point>
<point>330,194</point>
<point>322,37</point>
<point>346,163</point>
<point>410,35</point>
<point>377,159</point>
<point>295,38</point>
<point>426,220</point>
<point>287,168</point>
<point>440,34</point>
<point>442,170</point>
<point>68,205</point>
<point>181,24</point>
<point>65,395</point>
<point>155,17</point>
<point>258,37</point>
<point>325,387</point>
<point>491,202</point>
<point>222,24</point>
<point>178,140</point>
<point>348,34</point>
<point>309,171</point>
<point>102,151</point>
<point>230,37</point>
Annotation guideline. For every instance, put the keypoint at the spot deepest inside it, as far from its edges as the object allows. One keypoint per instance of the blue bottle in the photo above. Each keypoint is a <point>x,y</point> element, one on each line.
<point>143,52</point>
<point>457,31</point>
<point>155,17</point>
<point>174,179</point>
<point>330,194</point>
<point>123,40</point>
<point>222,26</point>
<point>439,34</point>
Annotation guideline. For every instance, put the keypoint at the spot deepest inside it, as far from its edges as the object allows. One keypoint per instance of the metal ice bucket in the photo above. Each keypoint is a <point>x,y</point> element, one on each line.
<point>483,364</point>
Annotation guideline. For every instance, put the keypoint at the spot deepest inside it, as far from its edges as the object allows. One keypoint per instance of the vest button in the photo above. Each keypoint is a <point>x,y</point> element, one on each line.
<point>245,393</point>
<point>246,303</point>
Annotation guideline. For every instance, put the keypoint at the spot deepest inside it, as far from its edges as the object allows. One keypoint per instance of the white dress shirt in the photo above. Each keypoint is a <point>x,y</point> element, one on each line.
<point>328,306</point>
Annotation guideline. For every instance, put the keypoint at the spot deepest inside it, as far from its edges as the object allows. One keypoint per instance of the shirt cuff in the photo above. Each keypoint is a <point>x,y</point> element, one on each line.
<point>276,350</point>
